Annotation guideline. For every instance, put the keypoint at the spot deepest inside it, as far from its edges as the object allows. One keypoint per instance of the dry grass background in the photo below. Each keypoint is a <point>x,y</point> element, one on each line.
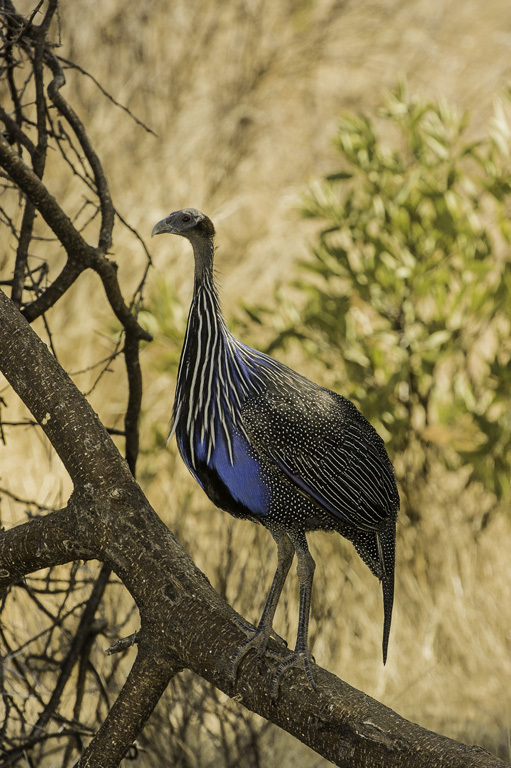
<point>244,98</point>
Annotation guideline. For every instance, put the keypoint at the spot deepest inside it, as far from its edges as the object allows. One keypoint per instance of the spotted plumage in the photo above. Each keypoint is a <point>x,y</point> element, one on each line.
<point>267,444</point>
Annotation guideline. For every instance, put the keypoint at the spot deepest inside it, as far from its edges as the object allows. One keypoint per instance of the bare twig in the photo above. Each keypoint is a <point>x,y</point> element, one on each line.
<point>80,640</point>
<point>70,272</point>
<point>14,132</point>
<point>105,201</point>
<point>74,65</point>
<point>123,644</point>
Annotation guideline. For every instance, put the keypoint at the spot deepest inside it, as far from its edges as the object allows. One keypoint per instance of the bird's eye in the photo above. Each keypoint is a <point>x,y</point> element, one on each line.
<point>186,218</point>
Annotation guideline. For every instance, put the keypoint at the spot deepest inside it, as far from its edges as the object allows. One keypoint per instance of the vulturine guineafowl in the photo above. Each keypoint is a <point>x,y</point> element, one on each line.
<point>267,444</point>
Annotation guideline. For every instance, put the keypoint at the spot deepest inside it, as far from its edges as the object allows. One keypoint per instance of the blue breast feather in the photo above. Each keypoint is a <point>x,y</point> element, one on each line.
<point>242,479</point>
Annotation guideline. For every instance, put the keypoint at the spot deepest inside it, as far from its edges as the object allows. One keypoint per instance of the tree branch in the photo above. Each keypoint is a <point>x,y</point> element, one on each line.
<point>40,543</point>
<point>105,201</point>
<point>69,273</point>
<point>81,255</point>
<point>14,132</point>
<point>81,640</point>
<point>77,248</point>
<point>148,679</point>
<point>184,622</point>
<point>28,181</point>
<point>134,372</point>
<point>38,162</point>
<point>59,408</point>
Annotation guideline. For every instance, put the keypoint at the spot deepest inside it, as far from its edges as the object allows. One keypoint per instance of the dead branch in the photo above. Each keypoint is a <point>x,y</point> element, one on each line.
<point>184,622</point>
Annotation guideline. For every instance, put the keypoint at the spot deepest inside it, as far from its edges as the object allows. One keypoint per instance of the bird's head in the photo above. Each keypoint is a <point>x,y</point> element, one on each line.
<point>189,223</point>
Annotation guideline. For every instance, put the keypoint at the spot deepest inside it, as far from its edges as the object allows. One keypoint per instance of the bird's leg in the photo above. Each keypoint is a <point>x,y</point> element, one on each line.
<point>301,657</point>
<point>260,636</point>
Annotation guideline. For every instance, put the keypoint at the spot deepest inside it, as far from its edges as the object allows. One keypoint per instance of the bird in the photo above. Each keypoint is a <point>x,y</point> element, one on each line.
<point>268,445</point>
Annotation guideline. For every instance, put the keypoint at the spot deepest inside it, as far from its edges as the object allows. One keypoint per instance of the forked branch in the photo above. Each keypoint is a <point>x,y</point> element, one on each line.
<point>184,622</point>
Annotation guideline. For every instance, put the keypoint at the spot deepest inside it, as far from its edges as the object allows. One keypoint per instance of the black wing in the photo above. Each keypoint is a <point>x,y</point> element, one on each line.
<point>325,447</point>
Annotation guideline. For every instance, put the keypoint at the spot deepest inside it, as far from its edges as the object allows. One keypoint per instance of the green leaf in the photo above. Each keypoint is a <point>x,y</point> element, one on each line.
<point>407,299</point>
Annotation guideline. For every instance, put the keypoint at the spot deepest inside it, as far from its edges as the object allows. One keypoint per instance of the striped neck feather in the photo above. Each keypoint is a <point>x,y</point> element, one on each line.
<point>216,375</point>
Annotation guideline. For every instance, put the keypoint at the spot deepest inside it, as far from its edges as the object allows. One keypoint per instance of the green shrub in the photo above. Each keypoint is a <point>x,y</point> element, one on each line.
<point>408,293</point>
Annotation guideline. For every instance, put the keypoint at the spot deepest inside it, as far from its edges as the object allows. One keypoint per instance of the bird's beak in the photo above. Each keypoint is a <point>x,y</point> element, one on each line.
<point>161,227</point>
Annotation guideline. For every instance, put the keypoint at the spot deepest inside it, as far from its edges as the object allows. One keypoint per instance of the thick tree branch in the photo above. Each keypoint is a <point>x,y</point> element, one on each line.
<point>184,622</point>
<point>61,410</point>
<point>40,543</point>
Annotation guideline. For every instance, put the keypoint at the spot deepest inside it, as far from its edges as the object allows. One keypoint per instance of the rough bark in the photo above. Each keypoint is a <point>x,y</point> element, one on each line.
<point>184,622</point>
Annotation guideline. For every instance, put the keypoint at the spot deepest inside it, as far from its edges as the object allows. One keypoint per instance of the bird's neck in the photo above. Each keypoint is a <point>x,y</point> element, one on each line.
<point>203,253</point>
<point>205,295</point>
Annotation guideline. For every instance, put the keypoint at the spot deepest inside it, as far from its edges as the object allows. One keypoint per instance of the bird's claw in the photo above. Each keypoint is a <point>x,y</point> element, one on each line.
<point>258,641</point>
<point>245,627</point>
<point>254,641</point>
<point>296,660</point>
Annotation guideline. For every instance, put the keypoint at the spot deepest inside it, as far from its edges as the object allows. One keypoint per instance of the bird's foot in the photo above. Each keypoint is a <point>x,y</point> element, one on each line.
<point>296,660</point>
<point>257,639</point>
